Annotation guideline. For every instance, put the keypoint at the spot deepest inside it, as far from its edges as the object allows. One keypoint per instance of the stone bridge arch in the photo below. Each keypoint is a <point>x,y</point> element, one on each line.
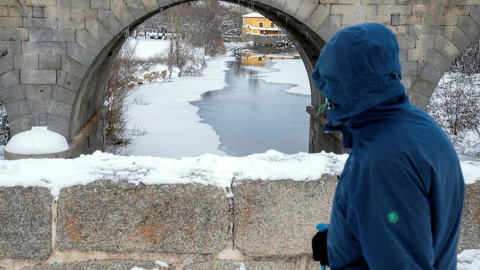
<point>56,54</point>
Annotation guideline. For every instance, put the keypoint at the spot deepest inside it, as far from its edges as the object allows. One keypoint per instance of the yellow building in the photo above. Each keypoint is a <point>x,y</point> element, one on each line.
<point>256,24</point>
<point>250,59</point>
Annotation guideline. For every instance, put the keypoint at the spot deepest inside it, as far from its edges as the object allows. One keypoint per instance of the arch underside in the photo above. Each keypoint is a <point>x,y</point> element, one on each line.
<point>78,40</point>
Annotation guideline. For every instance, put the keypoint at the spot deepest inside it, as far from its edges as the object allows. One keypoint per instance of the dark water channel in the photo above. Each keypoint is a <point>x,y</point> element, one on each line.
<point>252,116</point>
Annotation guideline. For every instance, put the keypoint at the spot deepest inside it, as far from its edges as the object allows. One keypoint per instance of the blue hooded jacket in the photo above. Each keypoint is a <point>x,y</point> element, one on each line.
<point>398,203</point>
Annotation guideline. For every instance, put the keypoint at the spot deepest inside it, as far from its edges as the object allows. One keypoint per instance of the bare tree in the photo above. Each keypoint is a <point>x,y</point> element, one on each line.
<point>121,72</point>
<point>4,130</point>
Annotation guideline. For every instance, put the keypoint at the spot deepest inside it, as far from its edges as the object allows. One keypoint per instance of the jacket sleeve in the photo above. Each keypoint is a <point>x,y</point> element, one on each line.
<point>389,212</point>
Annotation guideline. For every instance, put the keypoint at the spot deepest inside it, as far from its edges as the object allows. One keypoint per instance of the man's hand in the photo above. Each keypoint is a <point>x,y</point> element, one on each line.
<point>319,244</point>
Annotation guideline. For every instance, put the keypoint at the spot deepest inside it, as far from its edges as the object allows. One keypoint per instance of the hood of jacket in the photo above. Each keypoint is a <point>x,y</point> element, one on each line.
<point>358,70</point>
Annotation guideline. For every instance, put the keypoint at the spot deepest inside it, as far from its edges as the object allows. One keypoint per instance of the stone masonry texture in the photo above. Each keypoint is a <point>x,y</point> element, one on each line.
<point>103,265</point>
<point>25,223</point>
<point>121,217</point>
<point>470,230</point>
<point>232,265</point>
<point>279,218</point>
<point>39,35</point>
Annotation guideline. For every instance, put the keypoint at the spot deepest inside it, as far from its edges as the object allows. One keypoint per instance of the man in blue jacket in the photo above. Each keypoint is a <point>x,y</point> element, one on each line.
<point>399,199</point>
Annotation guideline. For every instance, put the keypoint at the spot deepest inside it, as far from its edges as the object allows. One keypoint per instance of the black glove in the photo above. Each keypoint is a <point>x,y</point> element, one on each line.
<point>319,247</point>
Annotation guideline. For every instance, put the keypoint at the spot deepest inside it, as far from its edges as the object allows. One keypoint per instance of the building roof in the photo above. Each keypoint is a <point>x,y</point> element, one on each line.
<point>253,15</point>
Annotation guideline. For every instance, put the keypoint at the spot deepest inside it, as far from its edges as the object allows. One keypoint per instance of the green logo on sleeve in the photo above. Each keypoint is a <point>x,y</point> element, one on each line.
<point>393,217</point>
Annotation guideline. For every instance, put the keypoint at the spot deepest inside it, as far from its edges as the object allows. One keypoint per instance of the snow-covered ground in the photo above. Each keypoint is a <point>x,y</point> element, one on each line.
<point>164,123</point>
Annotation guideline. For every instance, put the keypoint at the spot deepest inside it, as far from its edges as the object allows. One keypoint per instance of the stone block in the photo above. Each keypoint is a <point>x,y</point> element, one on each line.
<point>15,109</point>
<point>424,86</point>
<point>49,62</point>
<point>58,108</point>
<point>83,13</point>
<point>469,27</point>
<point>6,63</point>
<point>11,22</point>
<point>9,79</point>
<point>437,60</point>
<point>406,42</point>
<point>40,34</point>
<point>136,8</point>
<point>63,34</point>
<point>10,3</point>
<point>407,81</point>
<point>379,2</point>
<point>37,12</point>
<point>19,124</point>
<point>150,5</point>
<point>439,20</point>
<point>119,8</point>
<point>353,9</point>
<point>260,206</point>
<point>63,95</point>
<point>73,3</point>
<point>382,18</point>
<point>428,9</point>
<point>430,74</point>
<point>446,48</point>
<point>57,12</point>
<point>40,22</point>
<point>98,265</point>
<point>277,4</point>
<point>26,61</point>
<point>3,11</point>
<point>58,124</point>
<point>14,47</point>
<point>41,3</point>
<point>425,42</point>
<point>349,19</point>
<point>250,265</point>
<point>165,3</point>
<point>38,109</point>
<point>160,218</point>
<point>394,9</point>
<point>342,2</point>
<point>42,92</point>
<point>457,37</point>
<point>38,118</point>
<point>330,26</point>
<point>71,24</point>
<point>100,4</point>
<point>409,68</point>
<point>79,54</point>
<point>99,32</point>
<point>13,33</point>
<point>26,215</point>
<point>31,76</point>
<point>44,47</point>
<point>418,99</point>
<point>318,17</point>
<point>469,236</point>
<point>20,11</point>
<point>305,10</point>
<point>12,94</point>
<point>457,10</point>
<point>73,67</point>
<point>110,21</point>
<point>87,41</point>
<point>68,80</point>
<point>475,14</point>
<point>418,30</point>
<point>416,55</point>
<point>291,6</point>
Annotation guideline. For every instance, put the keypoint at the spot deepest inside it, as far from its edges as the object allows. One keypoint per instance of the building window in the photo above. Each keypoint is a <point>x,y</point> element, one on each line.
<point>260,58</point>
<point>260,24</point>
<point>272,25</point>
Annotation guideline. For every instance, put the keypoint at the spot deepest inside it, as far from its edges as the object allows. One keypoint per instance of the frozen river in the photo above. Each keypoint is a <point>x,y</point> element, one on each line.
<point>251,115</point>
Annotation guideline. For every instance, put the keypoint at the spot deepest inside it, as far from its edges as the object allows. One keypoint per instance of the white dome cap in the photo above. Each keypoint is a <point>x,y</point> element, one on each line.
<point>37,141</point>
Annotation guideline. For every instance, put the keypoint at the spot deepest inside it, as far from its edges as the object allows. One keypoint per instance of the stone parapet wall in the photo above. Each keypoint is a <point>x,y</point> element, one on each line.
<point>253,225</point>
